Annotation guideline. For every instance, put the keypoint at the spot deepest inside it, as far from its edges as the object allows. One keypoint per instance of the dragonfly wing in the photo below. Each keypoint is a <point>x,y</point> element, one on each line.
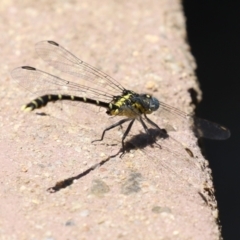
<point>40,82</point>
<point>211,130</point>
<point>178,120</point>
<point>63,60</point>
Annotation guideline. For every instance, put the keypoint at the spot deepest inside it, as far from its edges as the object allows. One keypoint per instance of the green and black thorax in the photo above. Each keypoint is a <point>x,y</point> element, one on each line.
<point>131,104</point>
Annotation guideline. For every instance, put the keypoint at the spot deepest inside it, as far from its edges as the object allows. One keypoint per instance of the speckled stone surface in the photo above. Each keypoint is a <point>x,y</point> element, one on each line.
<point>151,192</point>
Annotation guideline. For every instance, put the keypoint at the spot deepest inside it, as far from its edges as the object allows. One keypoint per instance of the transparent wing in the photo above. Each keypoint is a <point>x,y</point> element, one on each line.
<point>40,82</point>
<point>63,60</point>
<point>201,127</point>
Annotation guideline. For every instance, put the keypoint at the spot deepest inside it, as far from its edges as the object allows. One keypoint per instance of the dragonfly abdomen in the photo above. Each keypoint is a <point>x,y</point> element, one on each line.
<point>44,100</point>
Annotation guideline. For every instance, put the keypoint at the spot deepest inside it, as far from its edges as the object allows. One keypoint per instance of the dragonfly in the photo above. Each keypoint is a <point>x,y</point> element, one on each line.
<point>103,91</point>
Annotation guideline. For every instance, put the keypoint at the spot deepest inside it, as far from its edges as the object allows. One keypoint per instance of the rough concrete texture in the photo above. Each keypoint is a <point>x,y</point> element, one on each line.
<point>151,192</point>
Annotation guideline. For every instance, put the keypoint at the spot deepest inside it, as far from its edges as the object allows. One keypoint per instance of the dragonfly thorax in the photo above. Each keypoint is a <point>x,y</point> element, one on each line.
<point>132,104</point>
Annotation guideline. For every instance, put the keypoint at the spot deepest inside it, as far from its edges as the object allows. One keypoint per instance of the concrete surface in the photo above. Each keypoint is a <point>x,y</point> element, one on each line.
<point>48,190</point>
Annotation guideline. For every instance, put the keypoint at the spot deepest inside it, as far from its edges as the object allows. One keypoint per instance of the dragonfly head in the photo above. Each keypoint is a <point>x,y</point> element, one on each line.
<point>149,103</point>
<point>153,104</point>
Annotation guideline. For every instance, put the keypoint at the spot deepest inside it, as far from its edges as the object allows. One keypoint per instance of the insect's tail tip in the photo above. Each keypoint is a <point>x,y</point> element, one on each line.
<point>25,108</point>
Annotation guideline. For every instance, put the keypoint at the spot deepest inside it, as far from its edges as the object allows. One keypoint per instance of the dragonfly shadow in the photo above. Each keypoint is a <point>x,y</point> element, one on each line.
<point>139,141</point>
<point>69,181</point>
<point>142,140</point>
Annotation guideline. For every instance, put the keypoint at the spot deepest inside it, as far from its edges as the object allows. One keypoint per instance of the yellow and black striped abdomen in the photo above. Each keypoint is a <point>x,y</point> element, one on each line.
<point>44,100</point>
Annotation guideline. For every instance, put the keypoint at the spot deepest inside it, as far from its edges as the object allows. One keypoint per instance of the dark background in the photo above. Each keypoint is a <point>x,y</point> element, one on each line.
<point>213,28</point>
